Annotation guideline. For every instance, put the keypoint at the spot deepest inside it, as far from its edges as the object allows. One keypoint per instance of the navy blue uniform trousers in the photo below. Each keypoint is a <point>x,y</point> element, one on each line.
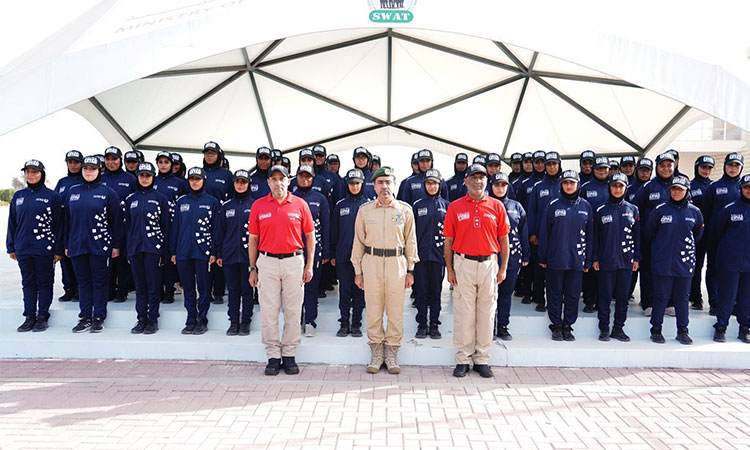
<point>734,287</point>
<point>504,293</point>
<point>428,283</point>
<point>350,296</point>
<point>696,296</point>
<point>240,293</point>
<point>192,271</point>
<point>68,275</point>
<point>120,276</point>
<point>671,289</point>
<point>147,277</point>
<point>591,288</point>
<point>539,277</point>
<point>217,280</point>
<point>613,284</point>
<point>37,279</point>
<point>310,302</point>
<point>563,286</point>
<point>169,277</point>
<point>92,272</point>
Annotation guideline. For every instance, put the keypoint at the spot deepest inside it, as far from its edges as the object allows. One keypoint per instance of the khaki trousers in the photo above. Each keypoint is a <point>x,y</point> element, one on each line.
<point>384,279</point>
<point>474,305</point>
<point>280,287</point>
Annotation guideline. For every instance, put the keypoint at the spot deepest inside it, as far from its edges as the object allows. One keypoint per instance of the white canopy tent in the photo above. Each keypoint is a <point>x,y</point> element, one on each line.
<point>158,75</point>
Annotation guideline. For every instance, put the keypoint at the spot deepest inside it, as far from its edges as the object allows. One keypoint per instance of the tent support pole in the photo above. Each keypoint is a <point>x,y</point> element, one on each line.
<point>518,105</point>
<point>390,73</point>
<point>680,114</point>
<point>587,113</point>
<point>258,102</point>
<point>318,50</point>
<point>443,140</point>
<point>103,111</point>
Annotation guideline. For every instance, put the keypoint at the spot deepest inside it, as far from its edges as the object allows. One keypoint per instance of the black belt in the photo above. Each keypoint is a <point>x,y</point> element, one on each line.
<point>384,251</point>
<point>281,255</point>
<point>476,258</point>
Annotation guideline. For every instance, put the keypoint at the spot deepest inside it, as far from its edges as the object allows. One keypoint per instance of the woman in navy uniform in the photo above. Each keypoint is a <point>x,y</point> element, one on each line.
<point>429,216</point>
<point>565,239</point>
<point>351,298</point>
<point>73,160</point>
<point>674,227</point>
<point>729,235</point>
<point>33,240</point>
<point>147,219</point>
<point>615,256</point>
<point>232,256</point>
<point>595,191</point>
<point>318,204</point>
<point>93,232</point>
<point>518,240</point>
<point>698,187</point>
<point>193,249</point>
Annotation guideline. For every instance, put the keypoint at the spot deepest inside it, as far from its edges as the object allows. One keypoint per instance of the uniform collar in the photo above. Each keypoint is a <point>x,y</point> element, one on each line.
<point>484,198</point>
<point>288,198</point>
<point>380,205</point>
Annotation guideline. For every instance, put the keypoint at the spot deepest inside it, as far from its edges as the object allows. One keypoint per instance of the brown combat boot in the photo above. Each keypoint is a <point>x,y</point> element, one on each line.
<point>391,360</point>
<point>377,358</point>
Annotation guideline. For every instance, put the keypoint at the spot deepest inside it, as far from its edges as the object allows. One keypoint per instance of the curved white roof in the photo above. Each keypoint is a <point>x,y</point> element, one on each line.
<point>165,74</point>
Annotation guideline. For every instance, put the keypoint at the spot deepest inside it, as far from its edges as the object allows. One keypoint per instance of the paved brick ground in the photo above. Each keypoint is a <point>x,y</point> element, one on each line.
<point>196,405</point>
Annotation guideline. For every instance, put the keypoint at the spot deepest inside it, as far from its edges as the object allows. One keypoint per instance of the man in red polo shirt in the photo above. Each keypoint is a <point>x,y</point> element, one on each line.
<point>476,230</point>
<point>278,269</point>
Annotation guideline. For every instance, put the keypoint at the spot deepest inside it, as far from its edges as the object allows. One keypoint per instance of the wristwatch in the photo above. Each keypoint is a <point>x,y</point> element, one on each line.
<point>410,272</point>
<point>253,268</point>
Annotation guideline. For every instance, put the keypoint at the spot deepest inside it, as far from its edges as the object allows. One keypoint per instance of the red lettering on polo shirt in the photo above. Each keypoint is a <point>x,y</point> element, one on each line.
<point>280,226</point>
<point>476,226</point>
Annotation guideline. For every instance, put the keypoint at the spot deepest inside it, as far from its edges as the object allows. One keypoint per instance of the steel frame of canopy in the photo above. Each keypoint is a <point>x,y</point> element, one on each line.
<point>521,73</point>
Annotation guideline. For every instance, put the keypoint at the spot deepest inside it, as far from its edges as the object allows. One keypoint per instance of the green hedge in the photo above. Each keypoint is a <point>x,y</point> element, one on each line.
<point>6,194</point>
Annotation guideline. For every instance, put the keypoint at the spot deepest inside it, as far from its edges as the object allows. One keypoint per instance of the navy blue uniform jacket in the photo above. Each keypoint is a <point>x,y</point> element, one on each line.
<point>675,230</point>
<point>93,220</point>
<point>231,232</point>
<point>617,237</point>
<point>193,232</point>
<point>566,235</point>
<point>429,216</point>
<point>147,217</point>
<point>35,223</point>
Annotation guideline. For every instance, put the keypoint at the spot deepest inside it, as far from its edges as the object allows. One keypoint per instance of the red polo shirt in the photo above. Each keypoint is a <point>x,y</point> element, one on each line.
<point>280,226</point>
<point>476,226</point>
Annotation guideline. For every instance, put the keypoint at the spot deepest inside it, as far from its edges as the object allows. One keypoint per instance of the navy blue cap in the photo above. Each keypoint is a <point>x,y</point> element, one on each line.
<point>306,153</point>
<point>319,150</point>
<point>499,177</point>
<point>145,167</point>
<point>33,164</point>
<point>133,156</point>
<point>92,161</point>
<point>619,178</point>
<point>276,154</point>
<point>433,174</point>
<point>627,159</point>
<point>516,158</point>
<point>601,161</point>
<point>362,151</point>
<point>734,157</point>
<point>242,174</point>
<point>493,158</point>
<point>680,181</point>
<point>196,172</point>
<point>539,155</point>
<point>666,156</point>
<point>306,168</point>
<point>614,163</point>
<point>113,151</point>
<point>376,158</point>
<point>424,154</point>
<point>475,169</point>
<point>161,154</point>
<point>333,157</point>
<point>462,157</point>
<point>355,175</point>
<point>587,155</point>
<point>74,155</point>
<point>571,175</point>
<point>176,157</point>
<point>211,146</point>
<point>479,159</point>
<point>645,162</point>
<point>705,160</point>
<point>552,157</point>
<point>263,151</point>
<point>745,180</point>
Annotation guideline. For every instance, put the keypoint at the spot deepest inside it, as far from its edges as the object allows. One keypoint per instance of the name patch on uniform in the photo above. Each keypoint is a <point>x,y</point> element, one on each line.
<point>134,204</point>
<point>463,216</point>
<point>102,197</point>
<point>544,192</point>
<point>490,216</point>
<point>696,192</point>
<point>229,213</point>
<point>592,194</point>
<point>254,187</point>
<point>720,191</point>
<point>422,212</point>
<point>184,207</point>
<point>453,187</point>
<point>264,216</point>
<point>19,201</point>
<point>416,185</point>
<point>737,217</point>
<point>654,196</point>
<point>560,213</point>
<point>75,197</point>
<point>606,219</point>
<point>666,219</point>
<point>344,212</point>
<point>296,215</point>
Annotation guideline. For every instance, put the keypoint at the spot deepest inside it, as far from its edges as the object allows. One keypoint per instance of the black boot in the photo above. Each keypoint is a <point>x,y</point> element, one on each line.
<point>40,325</point>
<point>139,327</point>
<point>503,333</point>
<point>244,329</point>
<point>744,335</point>
<point>619,334</point>
<point>421,332</point>
<point>526,299</point>
<point>168,298</point>
<point>720,334</point>
<point>567,333</point>
<point>200,327</point>
<point>588,305</point>
<point>557,333</point>
<point>27,324</point>
<point>343,331</point>
<point>234,328</point>
<point>604,335</point>
<point>435,331</point>
<point>273,367</point>
<point>682,336</point>
<point>356,330</point>
<point>540,307</point>
<point>289,365</point>
<point>656,336</point>
<point>67,296</point>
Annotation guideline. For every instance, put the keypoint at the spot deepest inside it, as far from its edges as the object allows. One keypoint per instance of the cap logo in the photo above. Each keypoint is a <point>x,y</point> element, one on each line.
<point>194,172</point>
<point>73,154</point>
<point>211,145</point>
<point>91,160</point>
<point>734,157</point>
